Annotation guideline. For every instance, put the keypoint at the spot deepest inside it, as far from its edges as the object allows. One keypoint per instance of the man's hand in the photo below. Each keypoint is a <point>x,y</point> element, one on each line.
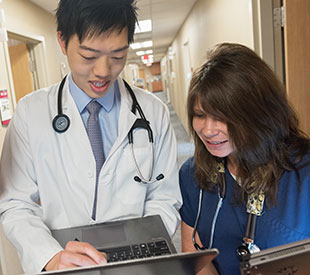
<point>76,254</point>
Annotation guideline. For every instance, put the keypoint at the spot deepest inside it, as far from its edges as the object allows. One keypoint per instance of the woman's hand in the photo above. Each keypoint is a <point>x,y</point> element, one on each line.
<point>188,246</point>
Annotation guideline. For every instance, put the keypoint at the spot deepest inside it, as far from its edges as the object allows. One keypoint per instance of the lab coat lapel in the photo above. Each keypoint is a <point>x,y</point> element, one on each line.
<point>76,150</point>
<point>75,141</point>
<point>77,135</point>
<point>126,117</point>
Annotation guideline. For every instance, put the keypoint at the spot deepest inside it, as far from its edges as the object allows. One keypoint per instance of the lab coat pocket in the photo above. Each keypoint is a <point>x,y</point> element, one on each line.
<point>138,159</point>
<point>129,191</point>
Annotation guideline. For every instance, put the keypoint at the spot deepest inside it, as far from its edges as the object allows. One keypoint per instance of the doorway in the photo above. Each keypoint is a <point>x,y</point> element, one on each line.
<point>296,41</point>
<point>23,65</point>
<point>283,42</point>
<point>187,65</point>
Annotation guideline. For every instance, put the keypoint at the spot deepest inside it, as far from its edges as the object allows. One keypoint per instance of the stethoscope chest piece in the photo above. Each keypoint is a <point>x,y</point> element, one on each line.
<point>61,123</point>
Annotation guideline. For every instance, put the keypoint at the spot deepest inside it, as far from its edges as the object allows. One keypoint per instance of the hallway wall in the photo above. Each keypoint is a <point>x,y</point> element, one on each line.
<point>25,18</point>
<point>28,21</point>
<point>209,23</point>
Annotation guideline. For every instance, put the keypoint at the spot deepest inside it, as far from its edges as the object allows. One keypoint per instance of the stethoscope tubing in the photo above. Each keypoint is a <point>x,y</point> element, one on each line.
<point>218,207</point>
<point>61,123</point>
<point>143,180</point>
<point>248,246</point>
<point>217,211</point>
<point>196,221</point>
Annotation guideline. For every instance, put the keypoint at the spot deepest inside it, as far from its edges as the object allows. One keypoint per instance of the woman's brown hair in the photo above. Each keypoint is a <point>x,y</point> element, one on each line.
<point>237,86</point>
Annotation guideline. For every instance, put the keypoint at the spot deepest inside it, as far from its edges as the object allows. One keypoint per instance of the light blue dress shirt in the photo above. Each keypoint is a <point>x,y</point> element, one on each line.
<point>108,115</point>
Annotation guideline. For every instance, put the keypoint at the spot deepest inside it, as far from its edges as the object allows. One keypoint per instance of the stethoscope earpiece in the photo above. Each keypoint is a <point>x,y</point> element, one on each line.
<point>158,178</point>
<point>61,123</point>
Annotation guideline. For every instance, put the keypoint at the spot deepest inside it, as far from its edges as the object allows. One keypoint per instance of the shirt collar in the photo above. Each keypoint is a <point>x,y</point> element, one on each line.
<point>82,99</point>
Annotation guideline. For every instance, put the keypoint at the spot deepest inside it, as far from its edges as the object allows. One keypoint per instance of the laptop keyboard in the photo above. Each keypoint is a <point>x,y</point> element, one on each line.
<point>137,251</point>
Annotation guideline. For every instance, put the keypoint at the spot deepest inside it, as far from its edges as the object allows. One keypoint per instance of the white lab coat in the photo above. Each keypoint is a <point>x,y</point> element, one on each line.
<point>58,171</point>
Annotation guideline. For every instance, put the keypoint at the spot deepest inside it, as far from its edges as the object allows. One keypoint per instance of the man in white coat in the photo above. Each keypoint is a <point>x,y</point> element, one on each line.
<point>52,174</point>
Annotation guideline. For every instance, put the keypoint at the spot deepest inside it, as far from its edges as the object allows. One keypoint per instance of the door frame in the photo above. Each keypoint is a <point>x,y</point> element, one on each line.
<point>268,37</point>
<point>39,50</point>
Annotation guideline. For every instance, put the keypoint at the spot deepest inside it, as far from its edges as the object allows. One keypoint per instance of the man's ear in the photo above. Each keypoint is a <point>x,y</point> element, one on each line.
<point>62,43</point>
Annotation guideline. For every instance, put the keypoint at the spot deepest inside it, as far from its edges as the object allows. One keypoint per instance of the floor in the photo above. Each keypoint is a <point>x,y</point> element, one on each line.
<point>185,148</point>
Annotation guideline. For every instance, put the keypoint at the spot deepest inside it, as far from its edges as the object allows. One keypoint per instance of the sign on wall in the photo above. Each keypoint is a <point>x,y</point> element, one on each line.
<point>5,108</point>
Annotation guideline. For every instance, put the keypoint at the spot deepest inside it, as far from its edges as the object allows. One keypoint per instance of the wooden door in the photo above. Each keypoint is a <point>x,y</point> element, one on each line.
<point>20,65</point>
<point>297,58</point>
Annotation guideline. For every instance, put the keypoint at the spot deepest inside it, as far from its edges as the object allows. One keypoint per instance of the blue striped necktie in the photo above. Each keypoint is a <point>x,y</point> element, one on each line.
<point>95,138</point>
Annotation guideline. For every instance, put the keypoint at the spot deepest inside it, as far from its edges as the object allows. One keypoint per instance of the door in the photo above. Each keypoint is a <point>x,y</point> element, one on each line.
<point>187,65</point>
<point>297,58</point>
<point>21,70</point>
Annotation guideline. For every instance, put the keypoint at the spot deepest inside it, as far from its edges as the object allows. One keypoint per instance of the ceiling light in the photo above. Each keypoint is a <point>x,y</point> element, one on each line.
<point>135,46</point>
<point>148,44</point>
<point>139,53</point>
<point>145,44</point>
<point>143,26</point>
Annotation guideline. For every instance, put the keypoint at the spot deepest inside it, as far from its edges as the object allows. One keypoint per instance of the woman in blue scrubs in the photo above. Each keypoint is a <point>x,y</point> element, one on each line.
<point>250,174</point>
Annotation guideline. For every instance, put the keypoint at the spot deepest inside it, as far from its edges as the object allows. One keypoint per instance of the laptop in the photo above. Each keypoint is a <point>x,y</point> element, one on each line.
<point>292,258</point>
<point>134,246</point>
<point>122,240</point>
<point>175,264</point>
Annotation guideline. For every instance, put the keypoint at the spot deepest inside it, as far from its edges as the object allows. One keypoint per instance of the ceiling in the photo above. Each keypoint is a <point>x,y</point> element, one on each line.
<point>167,18</point>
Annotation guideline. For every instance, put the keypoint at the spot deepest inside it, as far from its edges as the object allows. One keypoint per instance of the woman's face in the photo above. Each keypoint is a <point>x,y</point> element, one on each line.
<point>212,132</point>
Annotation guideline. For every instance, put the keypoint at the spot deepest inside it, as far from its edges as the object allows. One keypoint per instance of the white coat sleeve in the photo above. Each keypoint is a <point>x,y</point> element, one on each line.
<point>164,197</point>
<point>21,214</point>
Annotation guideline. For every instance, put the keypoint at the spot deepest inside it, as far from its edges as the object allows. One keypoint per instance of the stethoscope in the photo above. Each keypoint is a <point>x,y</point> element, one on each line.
<point>248,246</point>
<point>61,123</point>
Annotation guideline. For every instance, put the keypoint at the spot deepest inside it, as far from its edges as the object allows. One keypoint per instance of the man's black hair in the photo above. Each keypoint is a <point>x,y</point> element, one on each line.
<point>88,18</point>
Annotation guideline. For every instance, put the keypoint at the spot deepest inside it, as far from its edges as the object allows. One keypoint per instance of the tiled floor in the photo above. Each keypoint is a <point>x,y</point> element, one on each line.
<point>185,149</point>
<point>185,146</point>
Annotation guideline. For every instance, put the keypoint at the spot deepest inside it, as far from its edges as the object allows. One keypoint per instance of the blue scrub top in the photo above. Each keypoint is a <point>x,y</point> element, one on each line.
<point>286,222</point>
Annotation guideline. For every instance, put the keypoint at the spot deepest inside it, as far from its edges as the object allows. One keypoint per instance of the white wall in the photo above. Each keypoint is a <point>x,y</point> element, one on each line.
<point>210,22</point>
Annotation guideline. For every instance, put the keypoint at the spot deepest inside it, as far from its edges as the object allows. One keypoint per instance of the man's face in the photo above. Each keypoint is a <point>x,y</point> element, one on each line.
<point>96,63</point>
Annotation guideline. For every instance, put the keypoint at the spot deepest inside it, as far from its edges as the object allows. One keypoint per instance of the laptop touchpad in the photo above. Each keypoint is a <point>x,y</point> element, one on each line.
<point>101,236</point>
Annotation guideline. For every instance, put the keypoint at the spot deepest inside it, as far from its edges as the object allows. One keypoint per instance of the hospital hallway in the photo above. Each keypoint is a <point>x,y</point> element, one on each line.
<point>185,145</point>
<point>185,149</point>
<point>170,41</point>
